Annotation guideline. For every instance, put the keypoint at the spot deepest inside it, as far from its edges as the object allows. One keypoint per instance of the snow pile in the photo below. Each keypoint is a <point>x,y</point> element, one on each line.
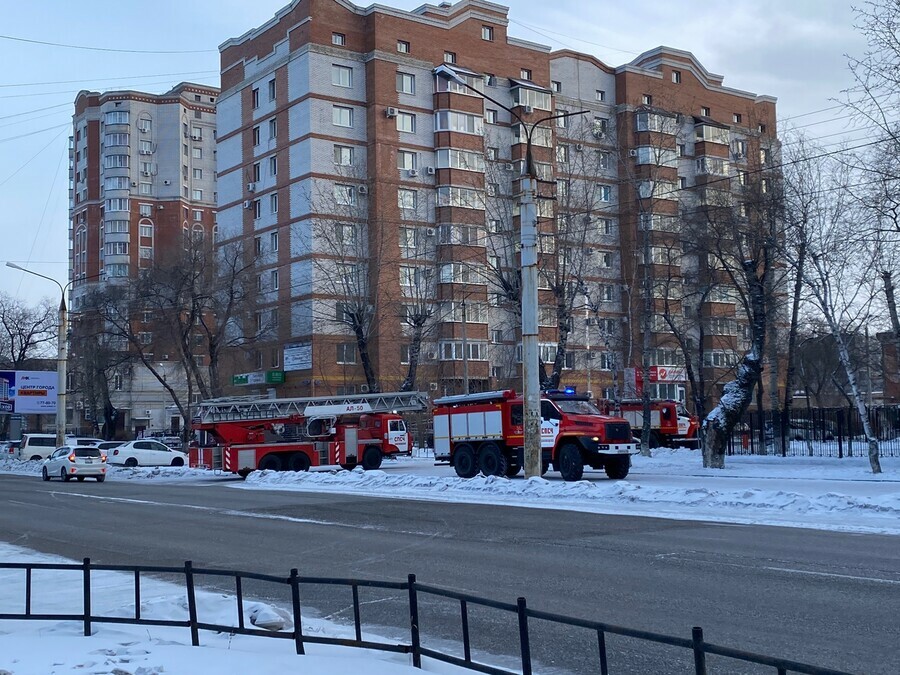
<point>158,473</point>
<point>41,647</point>
<point>799,492</point>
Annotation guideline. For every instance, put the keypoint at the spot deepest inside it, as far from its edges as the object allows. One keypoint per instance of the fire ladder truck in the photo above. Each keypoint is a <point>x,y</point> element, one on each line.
<point>295,434</point>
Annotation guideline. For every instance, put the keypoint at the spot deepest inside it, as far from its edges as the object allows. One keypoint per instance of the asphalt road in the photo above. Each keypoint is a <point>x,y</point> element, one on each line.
<point>822,597</point>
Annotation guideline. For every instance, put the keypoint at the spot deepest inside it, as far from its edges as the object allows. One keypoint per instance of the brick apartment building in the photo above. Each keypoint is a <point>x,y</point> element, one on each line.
<point>141,182</point>
<point>368,188</point>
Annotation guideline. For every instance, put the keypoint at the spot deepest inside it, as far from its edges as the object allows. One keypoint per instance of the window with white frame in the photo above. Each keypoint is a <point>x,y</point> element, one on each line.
<point>146,188</point>
<point>273,280</point>
<point>467,198</point>
<point>541,136</point>
<point>346,353</point>
<point>451,120</point>
<point>525,96</point>
<point>487,33</point>
<point>453,350</point>
<point>273,241</point>
<point>341,116</point>
<point>465,160</point>
<point>338,39</point>
<point>717,325</point>
<point>341,76</point>
<point>117,204</point>
<point>115,161</point>
<point>406,122</point>
<point>406,160</point>
<point>115,140</point>
<point>603,193</point>
<point>406,83</point>
<point>459,273</point>
<point>719,358</point>
<point>465,235</point>
<point>403,46</point>
<point>648,154</point>
<point>345,195</point>
<point>116,117</point>
<point>273,202</point>
<point>116,248</point>
<point>605,292</point>
<point>407,199</point>
<point>347,235</point>
<point>343,155</point>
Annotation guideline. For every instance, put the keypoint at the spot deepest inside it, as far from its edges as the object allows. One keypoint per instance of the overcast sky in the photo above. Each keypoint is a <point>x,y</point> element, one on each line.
<point>791,49</point>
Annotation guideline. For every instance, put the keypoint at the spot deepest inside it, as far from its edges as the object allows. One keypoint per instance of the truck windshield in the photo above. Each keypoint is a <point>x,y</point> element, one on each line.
<point>578,407</point>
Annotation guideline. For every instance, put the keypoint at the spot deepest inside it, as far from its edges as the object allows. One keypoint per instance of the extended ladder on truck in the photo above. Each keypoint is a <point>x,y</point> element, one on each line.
<point>247,408</point>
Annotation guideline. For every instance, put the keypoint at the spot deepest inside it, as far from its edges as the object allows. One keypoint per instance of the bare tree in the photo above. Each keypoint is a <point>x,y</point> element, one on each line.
<point>26,332</point>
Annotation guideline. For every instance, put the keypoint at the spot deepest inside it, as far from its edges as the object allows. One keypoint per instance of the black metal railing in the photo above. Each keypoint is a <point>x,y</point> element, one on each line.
<point>817,432</point>
<point>696,644</point>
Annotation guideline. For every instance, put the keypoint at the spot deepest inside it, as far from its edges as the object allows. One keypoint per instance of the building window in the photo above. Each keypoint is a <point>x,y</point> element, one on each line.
<point>343,155</point>
<point>197,153</point>
<point>197,195</point>
<point>736,118</point>
<point>491,116</point>
<point>341,116</point>
<point>761,128</point>
<point>676,77</point>
<point>198,215</point>
<point>345,195</point>
<point>146,210</point>
<point>449,57</point>
<point>273,128</point>
<point>490,79</point>
<point>647,99</point>
<point>704,111</point>
<point>346,353</point>
<point>272,89</point>
<point>255,136</point>
<point>407,199</point>
<point>406,83</point>
<point>341,76</point>
<point>403,46</point>
<point>254,96</point>
<point>556,86</point>
<point>146,188</point>
<point>273,241</point>
<point>198,174</point>
<point>450,120</point>
<point>257,209</point>
<point>600,95</point>
<point>273,279</point>
<point>273,166</point>
<point>257,173</point>
<point>406,160</point>
<point>525,73</point>
<point>338,39</point>
<point>406,122</point>
<point>487,33</point>
<point>273,202</point>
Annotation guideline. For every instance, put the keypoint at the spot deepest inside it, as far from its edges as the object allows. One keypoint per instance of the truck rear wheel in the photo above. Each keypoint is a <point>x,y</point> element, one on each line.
<point>491,461</point>
<point>464,461</point>
<point>617,467</point>
<point>571,464</point>
<point>371,458</point>
<point>270,463</point>
<point>299,461</point>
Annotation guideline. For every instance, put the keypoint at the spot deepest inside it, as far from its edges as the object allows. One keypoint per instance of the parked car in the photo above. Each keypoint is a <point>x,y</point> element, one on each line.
<point>83,442</point>
<point>37,446</point>
<point>147,452</point>
<point>109,445</point>
<point>75,462</point>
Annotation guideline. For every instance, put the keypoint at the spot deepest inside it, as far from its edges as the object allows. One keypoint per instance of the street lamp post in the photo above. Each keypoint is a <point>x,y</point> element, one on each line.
<point>62,355</point>
<point>531,386</point>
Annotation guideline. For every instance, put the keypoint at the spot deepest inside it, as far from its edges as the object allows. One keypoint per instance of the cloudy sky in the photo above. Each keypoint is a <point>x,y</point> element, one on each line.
<point>793,50</point>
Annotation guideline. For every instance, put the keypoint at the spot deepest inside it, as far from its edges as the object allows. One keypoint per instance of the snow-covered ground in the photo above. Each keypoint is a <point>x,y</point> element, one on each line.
<point>48,647</point>
<point>813,492</point>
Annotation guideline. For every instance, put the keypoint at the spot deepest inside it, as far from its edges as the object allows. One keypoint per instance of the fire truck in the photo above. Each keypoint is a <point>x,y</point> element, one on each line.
<point>295,434</point>
<point>485,432</point>
<point>670,423</point>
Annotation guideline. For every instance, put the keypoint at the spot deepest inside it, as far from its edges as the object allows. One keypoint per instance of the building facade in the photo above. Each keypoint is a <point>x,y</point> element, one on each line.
<point>379,201</point>
<point>142,183</point>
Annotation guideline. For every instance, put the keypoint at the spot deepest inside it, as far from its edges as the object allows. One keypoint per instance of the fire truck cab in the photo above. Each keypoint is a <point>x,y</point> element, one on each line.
<point>298,433</point>
<point>670,423</point>
<point>485,432</point>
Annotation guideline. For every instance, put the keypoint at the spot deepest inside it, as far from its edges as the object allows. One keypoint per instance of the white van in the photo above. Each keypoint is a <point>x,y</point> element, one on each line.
<point>37,446</point>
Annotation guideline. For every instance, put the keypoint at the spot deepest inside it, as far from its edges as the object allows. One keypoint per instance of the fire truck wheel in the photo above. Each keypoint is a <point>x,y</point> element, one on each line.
<point>464,461</point>
<point>298,462</point>
<point>270,463</point>
<point>349,466</point>
<point>617,467</point>
<point>491,461</point>
<point>371,459</point>
<point>513,470</point>
<point>571,464</point>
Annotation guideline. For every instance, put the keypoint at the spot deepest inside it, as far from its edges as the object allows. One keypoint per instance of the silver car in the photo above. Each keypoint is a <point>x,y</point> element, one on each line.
<point>75,462</point>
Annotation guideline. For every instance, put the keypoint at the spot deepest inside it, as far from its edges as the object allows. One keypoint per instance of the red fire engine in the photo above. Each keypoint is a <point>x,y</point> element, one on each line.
<point>670,423</point>
<point>296,433</point>
<point>484,432</point>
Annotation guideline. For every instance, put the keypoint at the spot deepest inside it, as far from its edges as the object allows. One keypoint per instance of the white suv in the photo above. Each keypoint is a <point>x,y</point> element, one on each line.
<point>37,446</point>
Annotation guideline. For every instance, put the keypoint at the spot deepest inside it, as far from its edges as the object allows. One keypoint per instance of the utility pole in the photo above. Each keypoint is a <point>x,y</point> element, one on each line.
<point>465,350</point>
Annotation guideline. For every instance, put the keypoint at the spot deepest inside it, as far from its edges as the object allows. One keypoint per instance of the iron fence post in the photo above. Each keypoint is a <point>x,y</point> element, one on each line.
<point>298,618</point>
<point>414,622</point>
<point>192,602</point>
<point>87,597</point>
<point>840,432</point>
<point>699,653</point>
<point>523,636</point>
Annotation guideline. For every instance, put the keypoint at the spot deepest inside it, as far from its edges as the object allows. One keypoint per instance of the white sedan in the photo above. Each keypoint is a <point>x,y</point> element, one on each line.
<point>146,452</point>
<point>72,462</point>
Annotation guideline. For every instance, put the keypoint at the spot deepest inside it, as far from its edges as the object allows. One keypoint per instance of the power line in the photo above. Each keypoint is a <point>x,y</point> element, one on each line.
<point>107,49</point>
<point>106,79</point>
<point>29,112</point>
<point>32,133</point>
<point>29,161</point>
<point>69,92</point>
<point>596,44</point>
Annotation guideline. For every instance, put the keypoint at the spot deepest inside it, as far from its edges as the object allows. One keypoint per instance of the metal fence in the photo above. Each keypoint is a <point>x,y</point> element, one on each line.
<point>696,645</point>
<point>816,432</point>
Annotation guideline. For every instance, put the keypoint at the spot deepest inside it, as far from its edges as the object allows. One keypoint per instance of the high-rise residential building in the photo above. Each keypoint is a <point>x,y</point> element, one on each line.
<point>142,182</point>
<point>379,200</point>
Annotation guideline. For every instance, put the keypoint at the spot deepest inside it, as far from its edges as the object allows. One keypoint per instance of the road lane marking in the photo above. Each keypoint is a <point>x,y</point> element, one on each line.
<point>248,514</point>
<point>833,575</point>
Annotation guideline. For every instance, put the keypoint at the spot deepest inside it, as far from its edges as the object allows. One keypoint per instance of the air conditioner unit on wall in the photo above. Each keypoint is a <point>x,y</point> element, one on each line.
<point>413,173</point>
<point>248,204</point>
<point>430,170</point>
<point>251,187</point>
<point>364,388</point>
<point>632,153</point>
<point>433,386</point>
<point>390,112</point>
<point>528,109</point>
<point>363,190</point>
<point>579,147</point>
